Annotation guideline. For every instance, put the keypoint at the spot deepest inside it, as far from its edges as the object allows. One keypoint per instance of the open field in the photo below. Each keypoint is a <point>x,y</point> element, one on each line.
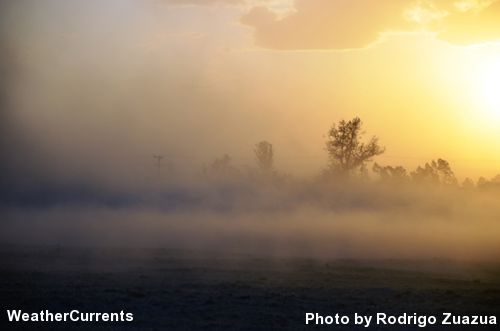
<point>249,164</point>
<point>189,290</point>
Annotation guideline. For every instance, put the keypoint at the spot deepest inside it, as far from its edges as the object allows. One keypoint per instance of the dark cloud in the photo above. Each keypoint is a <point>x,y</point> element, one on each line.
<point>342,24</point>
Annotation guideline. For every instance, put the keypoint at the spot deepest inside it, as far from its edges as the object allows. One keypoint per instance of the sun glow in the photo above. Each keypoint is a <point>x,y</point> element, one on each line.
<point>487,88</point>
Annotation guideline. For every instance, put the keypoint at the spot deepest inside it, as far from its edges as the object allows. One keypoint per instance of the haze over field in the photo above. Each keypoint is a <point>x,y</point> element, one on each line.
<point>91,90</point>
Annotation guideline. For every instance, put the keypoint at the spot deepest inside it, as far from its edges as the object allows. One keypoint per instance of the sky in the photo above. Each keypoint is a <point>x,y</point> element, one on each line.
<point>92,89</point>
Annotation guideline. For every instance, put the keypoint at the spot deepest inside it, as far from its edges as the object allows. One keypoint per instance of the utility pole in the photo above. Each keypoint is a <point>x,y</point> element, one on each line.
<point>158,163</point>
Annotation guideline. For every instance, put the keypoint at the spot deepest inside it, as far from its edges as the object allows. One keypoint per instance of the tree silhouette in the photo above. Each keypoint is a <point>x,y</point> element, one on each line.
<point>446,175</point>
<point>494,183</point>
<point>347,153</point>
<point>468,184</point>
<point>436,172</point>
<point>389,173</point>
<point>426,174</point>
<point>264,156</point>
<point>222,167</point>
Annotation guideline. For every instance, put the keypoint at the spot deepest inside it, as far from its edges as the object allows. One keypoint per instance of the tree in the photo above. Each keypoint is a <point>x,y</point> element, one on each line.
<point>446,175</point>
<point>468,184</point>
<point>390,174</point>
<point>482,182</point>
<point>222,167</point>
<point>264,156</point>
<point>436,172</point>
<point>426,174</point>
<point>493,183</point>
<point>347,153</point>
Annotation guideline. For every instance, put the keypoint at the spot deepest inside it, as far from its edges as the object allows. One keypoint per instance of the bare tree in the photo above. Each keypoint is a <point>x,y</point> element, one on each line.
<point>264,156</point>
<point>347,152</point>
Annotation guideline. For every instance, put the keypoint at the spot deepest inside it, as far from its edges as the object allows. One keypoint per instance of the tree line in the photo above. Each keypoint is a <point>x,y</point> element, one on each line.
<point>349,156</point>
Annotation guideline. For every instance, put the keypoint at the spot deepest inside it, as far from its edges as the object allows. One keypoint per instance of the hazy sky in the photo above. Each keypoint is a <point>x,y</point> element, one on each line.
<point>94,88</point>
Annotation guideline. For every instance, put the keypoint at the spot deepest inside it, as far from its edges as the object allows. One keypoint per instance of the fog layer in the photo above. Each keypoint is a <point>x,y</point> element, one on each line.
<point>330,219</point>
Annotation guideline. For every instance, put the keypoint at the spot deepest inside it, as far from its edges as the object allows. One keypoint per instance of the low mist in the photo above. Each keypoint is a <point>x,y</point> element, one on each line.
<point>297,218</point>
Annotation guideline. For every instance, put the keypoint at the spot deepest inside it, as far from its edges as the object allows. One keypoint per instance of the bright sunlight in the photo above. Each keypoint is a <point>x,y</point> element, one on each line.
<point>487,88</point>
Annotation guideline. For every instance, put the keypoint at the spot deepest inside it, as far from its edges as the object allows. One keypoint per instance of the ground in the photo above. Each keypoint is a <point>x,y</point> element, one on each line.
<point>184,290</point>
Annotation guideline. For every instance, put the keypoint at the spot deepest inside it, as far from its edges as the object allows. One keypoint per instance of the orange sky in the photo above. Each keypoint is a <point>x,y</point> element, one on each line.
<point>197,79</point>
